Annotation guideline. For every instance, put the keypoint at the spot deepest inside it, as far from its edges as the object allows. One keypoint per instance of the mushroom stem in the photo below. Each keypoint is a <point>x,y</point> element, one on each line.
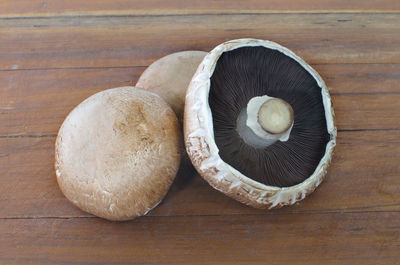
<point>264,121</point>
<point>275,116</point>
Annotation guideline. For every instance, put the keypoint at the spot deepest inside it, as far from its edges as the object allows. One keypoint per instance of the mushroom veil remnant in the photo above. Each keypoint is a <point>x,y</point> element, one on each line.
<point>259,124</point>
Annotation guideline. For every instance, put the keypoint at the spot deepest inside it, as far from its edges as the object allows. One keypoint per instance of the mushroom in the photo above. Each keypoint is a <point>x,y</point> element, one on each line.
<point>259,124</point>
<point>118,152</point>
<point>170,76</point>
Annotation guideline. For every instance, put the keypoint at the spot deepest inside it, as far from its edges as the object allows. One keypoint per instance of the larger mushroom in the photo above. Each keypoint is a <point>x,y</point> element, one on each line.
<point>259,124</point>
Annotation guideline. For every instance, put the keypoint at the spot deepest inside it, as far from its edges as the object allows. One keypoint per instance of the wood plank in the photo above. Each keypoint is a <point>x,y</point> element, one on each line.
<point>364,175</point>
<point>139,40</point>
<point>360,112</point>
<point>35,102</point>
<point>26,8</point>
<point>352,218</point>
<point>361,78</point>
<point>333,238</point>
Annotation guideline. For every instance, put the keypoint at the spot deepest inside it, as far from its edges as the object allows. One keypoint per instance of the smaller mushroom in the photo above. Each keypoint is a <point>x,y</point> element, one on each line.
<point>118,152</point>
<point>170,76</point>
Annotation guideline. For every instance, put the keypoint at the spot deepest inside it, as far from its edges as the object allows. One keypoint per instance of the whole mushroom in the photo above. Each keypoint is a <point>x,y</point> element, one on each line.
<point>118,152</point>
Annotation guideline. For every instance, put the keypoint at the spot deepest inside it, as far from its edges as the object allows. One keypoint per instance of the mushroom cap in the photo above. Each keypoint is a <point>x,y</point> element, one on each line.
<point>117,153</point>
<point>170,76</point>
<point>203,150</point>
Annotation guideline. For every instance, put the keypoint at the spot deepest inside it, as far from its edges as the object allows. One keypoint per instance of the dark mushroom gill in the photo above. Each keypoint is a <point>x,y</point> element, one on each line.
<point>244,73</point>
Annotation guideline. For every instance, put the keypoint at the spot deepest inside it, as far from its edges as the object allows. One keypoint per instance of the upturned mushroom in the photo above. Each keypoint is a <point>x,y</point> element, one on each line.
<point>118,152</point>
<point>259,123</point>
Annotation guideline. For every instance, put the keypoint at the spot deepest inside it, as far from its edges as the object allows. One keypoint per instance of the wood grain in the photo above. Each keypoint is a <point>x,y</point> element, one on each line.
<point>332,238</point>
<point>35,102</point>
<point>361,78</point>
<point>360,112</point>
<point>357,181</point>
<point>54,54</point>
<point>139,40</point>
<point>26,8</point>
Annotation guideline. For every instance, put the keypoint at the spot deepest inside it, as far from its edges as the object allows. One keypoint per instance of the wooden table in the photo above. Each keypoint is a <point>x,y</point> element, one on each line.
<point>54,54</point>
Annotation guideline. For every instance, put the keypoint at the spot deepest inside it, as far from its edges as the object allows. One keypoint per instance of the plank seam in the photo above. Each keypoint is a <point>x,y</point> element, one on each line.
<point>144,66</point>
<point>336,211</point>
<point>364,93</point>
<point>27,136</point>
<point>245,13</point>
<point>55,135</point>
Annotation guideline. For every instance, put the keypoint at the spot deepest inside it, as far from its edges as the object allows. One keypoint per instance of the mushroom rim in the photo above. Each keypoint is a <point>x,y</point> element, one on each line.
<point>204,153</point>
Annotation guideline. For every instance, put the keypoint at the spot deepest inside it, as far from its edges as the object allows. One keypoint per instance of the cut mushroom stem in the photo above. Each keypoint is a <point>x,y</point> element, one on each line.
<point>264,121</point>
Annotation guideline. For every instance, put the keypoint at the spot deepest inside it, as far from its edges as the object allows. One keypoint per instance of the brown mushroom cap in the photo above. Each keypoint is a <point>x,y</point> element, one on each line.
<point>170,76</point>
<point>118,152</point>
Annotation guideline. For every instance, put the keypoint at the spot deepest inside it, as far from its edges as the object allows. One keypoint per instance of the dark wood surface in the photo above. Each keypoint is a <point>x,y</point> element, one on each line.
<point>54,54</point>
